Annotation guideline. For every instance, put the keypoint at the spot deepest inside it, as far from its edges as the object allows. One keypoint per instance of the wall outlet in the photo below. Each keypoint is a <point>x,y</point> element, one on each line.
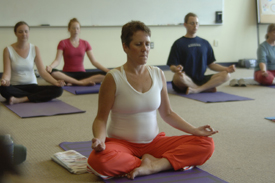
<point>152,45</point>
<point>216,43</point>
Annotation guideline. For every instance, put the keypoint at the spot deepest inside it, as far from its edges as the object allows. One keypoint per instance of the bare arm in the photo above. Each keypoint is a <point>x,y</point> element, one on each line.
<point>94,62</point>
<point>170,117</point>
<point>45,75</point>
<point>219,68</point>
<point>105,104</point>
<point>263,68</point>
<point>5,81</point>
<point>56,62</point>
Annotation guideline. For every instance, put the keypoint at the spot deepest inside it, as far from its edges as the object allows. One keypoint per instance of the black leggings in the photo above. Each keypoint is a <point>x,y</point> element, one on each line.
<point>34,92</point>
<point>81,75</point>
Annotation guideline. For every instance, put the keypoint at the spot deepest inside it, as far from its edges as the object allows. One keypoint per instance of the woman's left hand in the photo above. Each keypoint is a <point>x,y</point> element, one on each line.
<point>60,83</point>
<point>205,130</point>
<point>231,69</point>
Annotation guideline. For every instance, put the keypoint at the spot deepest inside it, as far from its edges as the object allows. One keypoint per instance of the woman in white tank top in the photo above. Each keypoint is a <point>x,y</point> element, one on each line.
<point>132,94</point>
<point>18,83</point>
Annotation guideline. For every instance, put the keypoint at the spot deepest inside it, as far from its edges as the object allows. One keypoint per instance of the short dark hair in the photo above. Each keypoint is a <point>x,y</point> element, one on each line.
<point>270,28</point>
<point>130,28</point>
<point>19,24</point>
<point>189,15</point>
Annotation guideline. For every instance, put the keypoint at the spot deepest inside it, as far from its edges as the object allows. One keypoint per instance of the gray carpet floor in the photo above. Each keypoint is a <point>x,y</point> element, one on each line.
<point>244,145</point>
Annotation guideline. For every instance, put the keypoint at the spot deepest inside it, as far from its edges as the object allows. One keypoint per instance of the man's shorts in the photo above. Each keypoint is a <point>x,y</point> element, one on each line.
<point>205,79</point>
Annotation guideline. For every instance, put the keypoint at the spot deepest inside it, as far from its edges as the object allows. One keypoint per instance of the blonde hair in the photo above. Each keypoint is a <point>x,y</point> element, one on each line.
<point>270,28</point>
<point>72,21</point>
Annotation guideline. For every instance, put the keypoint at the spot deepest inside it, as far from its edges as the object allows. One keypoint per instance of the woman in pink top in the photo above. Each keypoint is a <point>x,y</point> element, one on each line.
<point>73,50</point>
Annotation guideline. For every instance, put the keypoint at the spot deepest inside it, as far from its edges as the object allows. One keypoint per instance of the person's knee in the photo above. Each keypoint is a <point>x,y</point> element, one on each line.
<point>225,76</point>
<point>59,91</point>
<point>4,91</point>
<point>56,91</point>
<point>208,146</point>
<point>180,80</point>
<point>102,161</point>
<point>266,80</point>
<point>177,78</point>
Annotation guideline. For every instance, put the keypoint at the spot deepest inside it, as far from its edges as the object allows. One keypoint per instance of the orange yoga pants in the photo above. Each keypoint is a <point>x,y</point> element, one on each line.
<point>121,157</point>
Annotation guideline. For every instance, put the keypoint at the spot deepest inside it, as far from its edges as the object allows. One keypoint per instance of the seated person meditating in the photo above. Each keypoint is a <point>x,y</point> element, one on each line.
<point>132,94</point>
<point>19,83</point>
<point>73,50</point>
<point>265,68</point>
<point>189,58</point>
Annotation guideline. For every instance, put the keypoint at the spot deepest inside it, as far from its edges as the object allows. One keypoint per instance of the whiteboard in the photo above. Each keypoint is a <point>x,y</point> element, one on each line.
<point>106,12</point>
<point>266,11</point>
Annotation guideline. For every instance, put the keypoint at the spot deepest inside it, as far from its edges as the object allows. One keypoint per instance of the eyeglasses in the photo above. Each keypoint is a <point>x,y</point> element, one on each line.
<point>194,23</point>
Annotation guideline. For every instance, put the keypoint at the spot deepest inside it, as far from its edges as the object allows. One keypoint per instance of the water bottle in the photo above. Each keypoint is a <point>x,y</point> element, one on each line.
<point>9,145</point>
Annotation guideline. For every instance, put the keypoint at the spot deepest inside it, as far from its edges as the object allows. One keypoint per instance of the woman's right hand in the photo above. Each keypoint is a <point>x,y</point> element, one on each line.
<point>178,68</point>
<point>49,69</point>
<point>264,73</point>
<point>97,145</point>
<point>5,82</point>
<point>60,83</point>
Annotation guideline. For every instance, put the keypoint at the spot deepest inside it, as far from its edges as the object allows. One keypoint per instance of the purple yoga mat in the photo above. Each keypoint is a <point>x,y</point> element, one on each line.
<point>195,175</point>
<point>79,90</point>
<point>84,148</point>
<point>50,108</point>
<point>208,97</point>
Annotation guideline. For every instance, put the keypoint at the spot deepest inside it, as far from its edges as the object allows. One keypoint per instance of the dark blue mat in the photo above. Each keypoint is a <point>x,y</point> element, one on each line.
<point>208,97</point>
<point>79,90</point>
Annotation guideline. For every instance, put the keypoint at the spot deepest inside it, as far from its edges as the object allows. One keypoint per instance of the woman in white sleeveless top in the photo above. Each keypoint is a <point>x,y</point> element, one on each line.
<point>18,83</point>
<point>132,94</point>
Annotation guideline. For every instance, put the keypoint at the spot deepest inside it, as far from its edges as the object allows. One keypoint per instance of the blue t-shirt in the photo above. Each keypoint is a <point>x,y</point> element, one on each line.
<point>266,55</point>
<point>194,54</point>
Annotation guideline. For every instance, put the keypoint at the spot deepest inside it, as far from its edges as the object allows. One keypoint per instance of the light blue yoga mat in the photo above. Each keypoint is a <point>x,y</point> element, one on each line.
<point>271,118</point>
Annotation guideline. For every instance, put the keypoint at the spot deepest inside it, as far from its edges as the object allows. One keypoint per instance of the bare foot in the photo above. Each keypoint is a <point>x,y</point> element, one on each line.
<point>14,100</point>
<point>87,82</point>
<point>150,165</point>
<point>211,90</point>
<point>194,90</point>
<point>69,84</point>
<point>191,90</point>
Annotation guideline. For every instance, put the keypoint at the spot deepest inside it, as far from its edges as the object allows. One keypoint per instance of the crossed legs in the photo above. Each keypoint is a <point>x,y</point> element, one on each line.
<point>265,80</point>
<point>185,83</point>
<point>83,82</point>
<point>164,153</point>
<point>32,92</point>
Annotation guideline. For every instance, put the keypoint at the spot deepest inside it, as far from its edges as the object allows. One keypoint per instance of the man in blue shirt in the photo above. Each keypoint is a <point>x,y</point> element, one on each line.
<point>189,58</point>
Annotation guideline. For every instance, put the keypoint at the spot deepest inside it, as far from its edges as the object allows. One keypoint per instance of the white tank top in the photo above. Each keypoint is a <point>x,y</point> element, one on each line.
<point>22,69</point>
<point>134,114</point>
